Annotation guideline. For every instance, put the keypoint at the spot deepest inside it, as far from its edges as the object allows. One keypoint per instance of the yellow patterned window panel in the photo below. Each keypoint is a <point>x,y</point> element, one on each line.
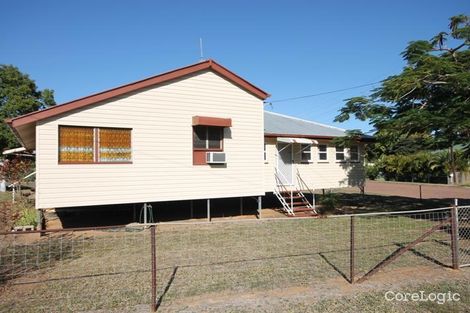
<point>75,144</point>
<point>115,145</point>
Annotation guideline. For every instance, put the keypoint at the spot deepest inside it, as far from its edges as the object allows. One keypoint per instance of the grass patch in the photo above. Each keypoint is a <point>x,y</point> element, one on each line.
<point>376,302</point>
<point>27,214</point>
<point>109,270</point>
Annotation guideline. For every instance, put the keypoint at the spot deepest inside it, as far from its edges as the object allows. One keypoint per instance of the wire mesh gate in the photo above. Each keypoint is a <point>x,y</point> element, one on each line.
<point>463,219</point>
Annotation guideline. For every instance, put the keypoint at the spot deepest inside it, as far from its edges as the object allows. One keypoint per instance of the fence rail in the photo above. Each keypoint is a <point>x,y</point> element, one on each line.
<point>166,264</point>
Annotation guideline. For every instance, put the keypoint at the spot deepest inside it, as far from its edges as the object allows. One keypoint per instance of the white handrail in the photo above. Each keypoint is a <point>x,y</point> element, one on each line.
<point>303,184</point>
<point>27,176</point>
<point>277,192</point>
<point>17,184</point>
<point>280,174</point>
<point>290,207</point>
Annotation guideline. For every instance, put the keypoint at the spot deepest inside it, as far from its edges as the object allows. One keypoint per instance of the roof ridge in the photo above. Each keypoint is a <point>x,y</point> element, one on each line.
<point>304,120</point>
<point>207,65</point>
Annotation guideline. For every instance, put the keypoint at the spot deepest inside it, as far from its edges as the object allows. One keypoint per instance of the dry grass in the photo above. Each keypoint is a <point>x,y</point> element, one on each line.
<point>105,270</point>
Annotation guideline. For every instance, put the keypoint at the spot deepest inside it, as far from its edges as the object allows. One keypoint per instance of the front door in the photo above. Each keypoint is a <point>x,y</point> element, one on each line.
<point>284,163</point>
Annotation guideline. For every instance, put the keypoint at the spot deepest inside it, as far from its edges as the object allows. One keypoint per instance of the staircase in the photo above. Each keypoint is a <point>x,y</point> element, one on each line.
<point>293,200</point>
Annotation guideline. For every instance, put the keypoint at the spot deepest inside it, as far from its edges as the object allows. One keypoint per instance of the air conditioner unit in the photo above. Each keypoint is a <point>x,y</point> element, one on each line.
<point>215,158</point>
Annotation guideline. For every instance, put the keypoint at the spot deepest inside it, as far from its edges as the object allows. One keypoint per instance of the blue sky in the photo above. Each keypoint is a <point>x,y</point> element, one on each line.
<point>288,48</point>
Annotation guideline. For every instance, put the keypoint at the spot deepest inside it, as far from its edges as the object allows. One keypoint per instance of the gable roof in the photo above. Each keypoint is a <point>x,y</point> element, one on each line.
<point>279,125</point>
<point>151,81</point>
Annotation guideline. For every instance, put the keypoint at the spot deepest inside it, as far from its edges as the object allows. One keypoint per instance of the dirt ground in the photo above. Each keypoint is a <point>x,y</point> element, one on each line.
<point>332,294</point>
<point>289,298</point>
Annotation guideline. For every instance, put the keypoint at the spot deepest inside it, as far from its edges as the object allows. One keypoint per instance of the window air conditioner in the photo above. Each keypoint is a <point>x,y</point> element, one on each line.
<point>215,158</point>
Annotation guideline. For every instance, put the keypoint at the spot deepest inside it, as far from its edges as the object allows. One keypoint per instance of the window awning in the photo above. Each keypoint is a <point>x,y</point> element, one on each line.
<point>297,140</point>
<point>212,121</point>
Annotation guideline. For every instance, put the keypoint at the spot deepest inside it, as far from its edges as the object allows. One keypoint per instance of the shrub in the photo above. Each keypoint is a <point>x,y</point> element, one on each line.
<point>26,214</point>
<point>15,169</point>
<point>329,202</point>
<point>372,172</point>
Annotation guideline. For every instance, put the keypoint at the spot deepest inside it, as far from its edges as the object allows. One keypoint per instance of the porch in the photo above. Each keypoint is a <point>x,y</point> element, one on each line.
<point>292,191</point>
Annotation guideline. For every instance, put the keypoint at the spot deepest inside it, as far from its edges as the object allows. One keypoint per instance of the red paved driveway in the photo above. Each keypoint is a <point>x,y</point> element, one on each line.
<point>413,190</point>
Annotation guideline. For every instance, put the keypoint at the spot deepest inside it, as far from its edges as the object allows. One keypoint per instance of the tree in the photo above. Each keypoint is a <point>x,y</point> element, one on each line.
<point>428,103</point>
<point>18,95</point>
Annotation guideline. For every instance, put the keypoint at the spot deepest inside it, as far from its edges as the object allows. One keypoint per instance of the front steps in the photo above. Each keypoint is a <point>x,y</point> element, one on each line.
<point>299,205</point>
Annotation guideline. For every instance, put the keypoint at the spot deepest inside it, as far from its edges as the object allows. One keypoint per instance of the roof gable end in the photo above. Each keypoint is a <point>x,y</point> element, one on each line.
<point>148,82</point>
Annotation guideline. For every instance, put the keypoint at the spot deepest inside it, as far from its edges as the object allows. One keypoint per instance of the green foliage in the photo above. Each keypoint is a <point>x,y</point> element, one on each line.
<point>26,214</point>
<point>329,202</point>
<point>372,171</point>
<point>427,105</point>
<point>351,138</point>
<point>421,166</point>
<point>18,95</point>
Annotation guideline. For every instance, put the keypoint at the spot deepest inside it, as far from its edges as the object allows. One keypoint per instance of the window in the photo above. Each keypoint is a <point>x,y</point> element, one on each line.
<point>76,145</point>
<point>94,145</point>
<point>339,153</point>
<point>322,153</point>
<point>207,137</point>
<point>354,153</point>
<point>114,145</point>
<point>306,153</point>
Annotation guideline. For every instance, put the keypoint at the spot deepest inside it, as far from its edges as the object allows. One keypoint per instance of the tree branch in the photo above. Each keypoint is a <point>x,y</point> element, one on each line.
<point>435,82</point>
<point>409,92</point>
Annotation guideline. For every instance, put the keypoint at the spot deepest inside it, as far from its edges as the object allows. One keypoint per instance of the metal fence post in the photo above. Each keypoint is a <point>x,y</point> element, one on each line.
<point>153,306</point>
<point>455,236</point>
<point>351,251</point>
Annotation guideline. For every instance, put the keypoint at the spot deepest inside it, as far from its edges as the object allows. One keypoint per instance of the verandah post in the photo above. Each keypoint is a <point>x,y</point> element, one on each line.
<point>351,251</point>
<point>145,213</point>
<point>191,208</point>
<point>260,205</point>
<point>153,304</point>
<point>208,210</point>
<point>455,235</point>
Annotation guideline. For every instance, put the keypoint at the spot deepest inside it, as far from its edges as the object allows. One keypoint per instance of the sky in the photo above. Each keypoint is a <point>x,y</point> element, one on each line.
<point>287,48</point>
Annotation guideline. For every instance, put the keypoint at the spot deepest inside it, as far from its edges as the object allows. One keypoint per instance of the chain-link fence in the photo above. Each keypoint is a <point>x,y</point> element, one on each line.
<point>105,269</point>
<point>464,235</point>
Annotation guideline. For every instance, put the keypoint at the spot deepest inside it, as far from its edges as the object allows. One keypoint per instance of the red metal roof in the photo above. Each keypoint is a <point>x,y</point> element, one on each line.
<point>151,81</point>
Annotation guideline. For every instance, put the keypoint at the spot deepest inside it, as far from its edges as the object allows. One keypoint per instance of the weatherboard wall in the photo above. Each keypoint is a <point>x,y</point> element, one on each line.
<point>318,174</point>
<point>162,166</point>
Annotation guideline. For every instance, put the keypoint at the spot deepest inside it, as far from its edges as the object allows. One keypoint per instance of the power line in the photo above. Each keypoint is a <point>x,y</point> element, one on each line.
<point>322,93</point>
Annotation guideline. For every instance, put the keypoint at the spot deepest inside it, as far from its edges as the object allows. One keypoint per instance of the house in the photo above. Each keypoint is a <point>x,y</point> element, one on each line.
<point>198,132</point>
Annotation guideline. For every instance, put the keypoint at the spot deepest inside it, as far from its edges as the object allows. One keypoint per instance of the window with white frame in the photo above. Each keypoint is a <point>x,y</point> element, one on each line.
<point>354,153</point>
<point>339,153</point>
<point>306,153</point>
<point>322,152</point>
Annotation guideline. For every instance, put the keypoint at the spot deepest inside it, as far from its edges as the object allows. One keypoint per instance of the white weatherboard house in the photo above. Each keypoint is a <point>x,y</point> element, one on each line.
<point>198,132</point>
